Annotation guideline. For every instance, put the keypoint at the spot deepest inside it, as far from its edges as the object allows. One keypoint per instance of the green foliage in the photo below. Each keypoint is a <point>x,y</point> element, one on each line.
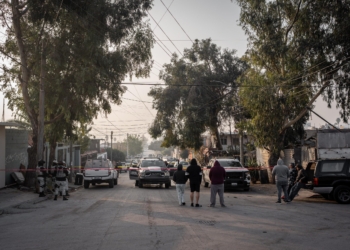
<point>83,141</point>
<point>134,144</point>
<point>184,153</point>
<point>156,146</point>
<point>287,40</point>
<point>185,111</point>
<point>90,47</point>
<point>116,154</point>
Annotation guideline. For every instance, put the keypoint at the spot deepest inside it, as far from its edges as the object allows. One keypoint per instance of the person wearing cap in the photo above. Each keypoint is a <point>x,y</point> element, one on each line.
<point>42,173</point>
<point>180,178</point>
<point>281,173</point>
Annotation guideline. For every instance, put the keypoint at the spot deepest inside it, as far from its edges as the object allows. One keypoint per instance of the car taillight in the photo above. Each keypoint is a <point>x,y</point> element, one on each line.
<point>315,182</point>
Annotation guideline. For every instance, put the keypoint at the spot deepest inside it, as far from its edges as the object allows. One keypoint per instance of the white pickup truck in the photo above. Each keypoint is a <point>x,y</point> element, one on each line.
<point>100,171</point>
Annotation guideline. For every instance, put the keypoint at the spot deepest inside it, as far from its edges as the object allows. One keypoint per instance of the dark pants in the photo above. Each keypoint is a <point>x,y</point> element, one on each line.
<point>295,190</point>
<point>282,185</point>
<point>217,189</point>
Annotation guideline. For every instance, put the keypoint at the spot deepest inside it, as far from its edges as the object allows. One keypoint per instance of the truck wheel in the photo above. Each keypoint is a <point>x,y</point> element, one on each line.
<point>111,183</point>
<point>140,184</point>
<point>167,185</point>
<point>136,183</point>
<point>342,194</point>
<point>246,189</point>
<point>116,181</point>
<point>86,184</point>
<point>205,184</point>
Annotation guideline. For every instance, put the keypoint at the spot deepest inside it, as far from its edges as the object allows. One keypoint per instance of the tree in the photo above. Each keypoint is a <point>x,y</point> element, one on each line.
<point>184,153</point>
<point>297,50</point>
<point>155,145</point>
<point>198,86</point>
<point>117,155</point>
<point>134,143</point>
<point>81,49</point>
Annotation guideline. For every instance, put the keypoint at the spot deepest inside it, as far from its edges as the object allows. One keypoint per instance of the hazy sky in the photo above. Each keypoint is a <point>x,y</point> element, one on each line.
<point>201,19</point>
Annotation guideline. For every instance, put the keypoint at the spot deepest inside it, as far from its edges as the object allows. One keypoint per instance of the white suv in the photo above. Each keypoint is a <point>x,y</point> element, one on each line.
<point>100,171</point>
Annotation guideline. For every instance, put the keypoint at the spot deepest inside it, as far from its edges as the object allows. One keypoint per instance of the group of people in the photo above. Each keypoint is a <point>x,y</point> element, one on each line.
<point>193,173</point>
<point>290,180</point>
<point>58,175</point>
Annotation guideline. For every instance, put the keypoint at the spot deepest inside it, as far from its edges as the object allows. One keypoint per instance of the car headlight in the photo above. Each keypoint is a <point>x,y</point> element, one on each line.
<point>142,173</point>
<point>166,173</point>
<point>247,176</point>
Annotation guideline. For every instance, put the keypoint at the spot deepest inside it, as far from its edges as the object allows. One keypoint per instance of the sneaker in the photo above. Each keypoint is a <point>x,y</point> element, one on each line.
<point>183,203</point>
<point>223,205</point>
<point>197,205</point>
<point>191,204</point>
<point>211,205</point>
<point>278,202</point>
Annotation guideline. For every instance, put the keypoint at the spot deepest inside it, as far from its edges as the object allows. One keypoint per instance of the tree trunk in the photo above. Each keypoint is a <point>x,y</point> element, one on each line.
<point>32,162</point>
<point>241,148</point>
<point>218,139</point>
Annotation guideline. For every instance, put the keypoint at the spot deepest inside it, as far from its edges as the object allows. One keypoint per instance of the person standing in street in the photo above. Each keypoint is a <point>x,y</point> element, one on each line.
<point>281,173</point>
<point>217,176</point>
<point>194,174</point>
<point>300,182</point>
<point>293,173</point>
<point>180,179</point>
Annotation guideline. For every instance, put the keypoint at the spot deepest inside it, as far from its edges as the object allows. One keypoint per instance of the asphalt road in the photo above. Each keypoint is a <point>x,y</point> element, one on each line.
<point>127,217</point>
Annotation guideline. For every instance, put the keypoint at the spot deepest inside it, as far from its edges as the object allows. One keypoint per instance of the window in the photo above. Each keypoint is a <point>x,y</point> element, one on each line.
<point>223,141</point>
<point>332,166</point>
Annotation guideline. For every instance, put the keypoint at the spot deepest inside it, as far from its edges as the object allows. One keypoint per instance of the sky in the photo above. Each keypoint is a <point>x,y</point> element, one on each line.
<point>198,19</point>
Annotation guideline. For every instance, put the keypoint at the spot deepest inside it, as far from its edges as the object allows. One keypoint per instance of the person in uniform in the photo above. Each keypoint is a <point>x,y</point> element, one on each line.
<point>42,173</point>
<point>60,174</point>
<point>67,169</point>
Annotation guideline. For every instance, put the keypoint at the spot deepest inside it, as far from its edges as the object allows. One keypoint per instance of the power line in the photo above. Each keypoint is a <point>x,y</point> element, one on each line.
<point>176,21</point>
<point>164,32</point>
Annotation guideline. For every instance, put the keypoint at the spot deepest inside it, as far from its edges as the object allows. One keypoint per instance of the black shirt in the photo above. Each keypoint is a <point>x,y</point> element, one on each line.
<point>194,173</point>
<point>180,177</point>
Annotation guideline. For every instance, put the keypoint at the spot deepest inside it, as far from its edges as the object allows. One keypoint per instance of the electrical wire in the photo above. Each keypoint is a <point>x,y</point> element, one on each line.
<point>176,21</point>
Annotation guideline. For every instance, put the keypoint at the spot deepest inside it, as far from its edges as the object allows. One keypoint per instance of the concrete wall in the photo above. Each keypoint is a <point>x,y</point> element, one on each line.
<point>16,152</point>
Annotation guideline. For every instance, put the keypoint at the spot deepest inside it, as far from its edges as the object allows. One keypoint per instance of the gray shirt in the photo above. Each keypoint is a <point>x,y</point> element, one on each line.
<point>281,171</point>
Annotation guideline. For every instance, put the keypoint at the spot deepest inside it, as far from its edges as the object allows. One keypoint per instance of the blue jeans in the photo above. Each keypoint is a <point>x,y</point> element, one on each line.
<point>282,185</point>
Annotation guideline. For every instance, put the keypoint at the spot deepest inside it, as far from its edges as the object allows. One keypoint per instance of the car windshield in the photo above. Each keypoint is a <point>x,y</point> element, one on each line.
<point>227,164</point>
<point>151,163</point>
<point>97,164</point>
<point>184,163</point>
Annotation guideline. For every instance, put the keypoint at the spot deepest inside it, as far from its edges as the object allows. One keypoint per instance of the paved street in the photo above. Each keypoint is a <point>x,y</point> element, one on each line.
<point>127,217</point>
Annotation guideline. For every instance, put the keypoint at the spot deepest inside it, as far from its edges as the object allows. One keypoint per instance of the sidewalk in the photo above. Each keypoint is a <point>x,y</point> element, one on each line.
<point>13,197</point>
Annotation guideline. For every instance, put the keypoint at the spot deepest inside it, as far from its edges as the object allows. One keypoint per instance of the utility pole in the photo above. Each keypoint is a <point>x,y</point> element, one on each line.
<point>241,149</point>
<point>127,145</point>
<point>112,147</point>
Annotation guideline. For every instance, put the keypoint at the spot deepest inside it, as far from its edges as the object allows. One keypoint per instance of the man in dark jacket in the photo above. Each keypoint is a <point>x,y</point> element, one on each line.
<point>299,182</point>
<point>194,173</point>
<point>180,179</point>
<point>217,176</point>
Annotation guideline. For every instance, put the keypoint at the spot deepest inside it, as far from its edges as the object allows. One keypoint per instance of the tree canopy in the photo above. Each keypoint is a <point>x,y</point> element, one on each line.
<point>298,50</point>
<point>197,88</point>
<point>81,49</point>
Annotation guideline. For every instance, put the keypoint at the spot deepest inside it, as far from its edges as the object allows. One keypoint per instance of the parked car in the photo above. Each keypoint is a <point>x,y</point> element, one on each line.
<point>123,167</point>
<point>100,171</point>
<point>332,179</point>
<point>237,177</point>
<point>150,171</point>
<point>185,164</point>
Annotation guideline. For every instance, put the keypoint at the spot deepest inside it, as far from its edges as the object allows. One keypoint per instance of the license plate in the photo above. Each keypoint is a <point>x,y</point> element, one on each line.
<point>97,178</point>
<point>233,184</point>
